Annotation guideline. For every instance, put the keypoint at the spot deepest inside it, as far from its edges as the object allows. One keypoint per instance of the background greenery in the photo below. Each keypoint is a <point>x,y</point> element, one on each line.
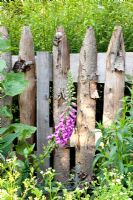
<point>43,16</point>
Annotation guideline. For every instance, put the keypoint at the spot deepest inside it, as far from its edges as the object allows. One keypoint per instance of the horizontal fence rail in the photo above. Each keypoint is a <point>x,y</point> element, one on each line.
<point>101,65</point>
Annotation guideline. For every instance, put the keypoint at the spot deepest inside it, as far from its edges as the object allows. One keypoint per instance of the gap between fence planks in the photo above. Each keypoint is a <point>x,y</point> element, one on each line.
<point>115,74</point>
<point>61,65</point>
<point>27,103</point>
<point>8,59</point>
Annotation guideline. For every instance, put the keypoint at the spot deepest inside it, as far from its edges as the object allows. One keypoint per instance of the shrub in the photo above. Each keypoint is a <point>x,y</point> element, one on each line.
<point>44,16</point>
<point>116,150</point>
<point>13,186</point>
<point>111,187</point>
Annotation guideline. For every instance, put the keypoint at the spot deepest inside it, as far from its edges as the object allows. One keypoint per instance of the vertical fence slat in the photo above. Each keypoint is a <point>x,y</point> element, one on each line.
<point>43,63</point>
<point>27,98</point>
<point>86,105</point>
<point>8,59</point>
<point>114,80</point>
<point>61,64</point>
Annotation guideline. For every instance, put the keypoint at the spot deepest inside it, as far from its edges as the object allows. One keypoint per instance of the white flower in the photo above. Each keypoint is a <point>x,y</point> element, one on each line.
<point>118,181</point>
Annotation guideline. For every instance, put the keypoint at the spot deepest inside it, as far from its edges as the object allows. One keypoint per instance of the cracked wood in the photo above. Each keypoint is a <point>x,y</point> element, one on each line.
<point>86,105</point>
<point>61,64</point>
<point>27,98</point>
<point>114,78</point>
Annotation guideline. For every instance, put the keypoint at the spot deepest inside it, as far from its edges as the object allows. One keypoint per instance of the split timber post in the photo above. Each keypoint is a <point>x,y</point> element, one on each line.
<point>86,105</point>
<point>61,65</point>
<point>8,59</point>
<point>27,98</point>
<point>115,76</point>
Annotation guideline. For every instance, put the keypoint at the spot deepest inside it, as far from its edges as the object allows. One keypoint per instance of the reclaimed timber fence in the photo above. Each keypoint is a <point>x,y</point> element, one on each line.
<point>88,68</point>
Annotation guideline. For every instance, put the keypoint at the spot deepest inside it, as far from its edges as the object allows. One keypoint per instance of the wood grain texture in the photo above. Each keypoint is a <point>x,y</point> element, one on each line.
<point>8,59</point>
<point>86,105</point>
<point>115,75</point>
<point>61,64</point>
<point>43,64</point>
<point>27,98</point>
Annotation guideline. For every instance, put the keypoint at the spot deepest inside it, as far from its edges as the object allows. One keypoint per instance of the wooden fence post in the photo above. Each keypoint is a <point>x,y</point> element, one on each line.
<point>27,98</point>
<point>8,59</point>
<point>61,64</point>
<point>86,105</point>
<point>114,79</point>
<point>43,64</point>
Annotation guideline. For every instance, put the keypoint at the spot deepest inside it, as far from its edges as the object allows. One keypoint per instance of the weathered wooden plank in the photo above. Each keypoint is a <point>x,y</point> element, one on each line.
<point>7,57</point>
<point>129,63</point>
<point>61,64</point>
<point>101,65</point>
<point>43,64</point>
<point>27,98</point>
<point>86,105</point>
<point>115,74</point>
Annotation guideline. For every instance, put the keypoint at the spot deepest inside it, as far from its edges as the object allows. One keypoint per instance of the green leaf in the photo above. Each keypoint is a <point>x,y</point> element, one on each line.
<point>130,139</point>
<point>20,164</point>
<point>121,166</point>
<point>6,130</point>
<point>112,152</point>
<point>99,142</point>
<point>38,193</point>
<point>2,158</point>
<point>2,65</point>
<point>3,130</point>
<point>26,152</point>
<point>20,148</point>
<point>120,137</point>
<point>98,156</point>
<point>14,83</point>
<point>6,112</point>
<point>25,131</point>
<point>6,143</point>
<point>7,139</point>
<point>13,131</point>
<point>4,44</point>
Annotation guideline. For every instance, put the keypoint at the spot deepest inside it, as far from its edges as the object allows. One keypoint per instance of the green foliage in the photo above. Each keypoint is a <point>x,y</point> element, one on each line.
<point>111,187</point>
<point>115,147</point>
<point>6,112</point>
<point>13,84</point>
<point>13,186</point>
<point>39,161</point>
<point>2,65</point>
<point>75,15</point>
<point>70,93</point>
<point>4,45</point>
<point>10,133</point>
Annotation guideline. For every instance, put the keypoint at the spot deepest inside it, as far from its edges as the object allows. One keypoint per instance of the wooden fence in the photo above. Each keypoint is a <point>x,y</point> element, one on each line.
<point>88,68</point>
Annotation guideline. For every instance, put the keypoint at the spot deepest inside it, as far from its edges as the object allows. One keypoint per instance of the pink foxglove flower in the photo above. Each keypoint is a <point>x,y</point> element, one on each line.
<point>65,127</point>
